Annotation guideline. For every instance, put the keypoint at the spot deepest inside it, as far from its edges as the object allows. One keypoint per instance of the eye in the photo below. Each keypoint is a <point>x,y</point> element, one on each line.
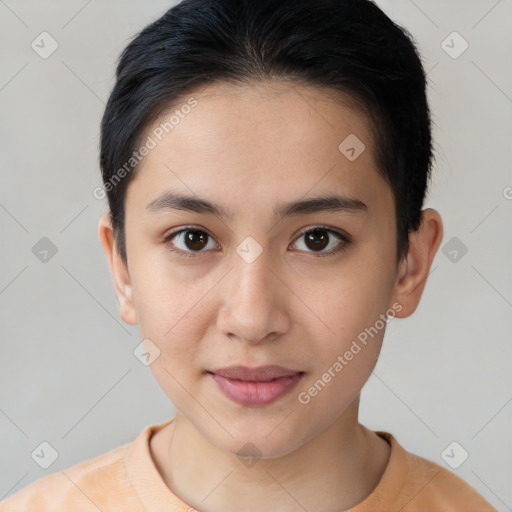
<point>187,239</point>
<point>320,238</point>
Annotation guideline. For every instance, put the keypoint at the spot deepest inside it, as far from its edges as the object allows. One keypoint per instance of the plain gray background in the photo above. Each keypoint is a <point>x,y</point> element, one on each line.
<point>68,373</point>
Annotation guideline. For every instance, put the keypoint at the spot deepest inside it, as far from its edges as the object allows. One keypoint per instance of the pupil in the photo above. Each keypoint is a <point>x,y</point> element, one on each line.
<point>318,238</point>
<point>194,238</point>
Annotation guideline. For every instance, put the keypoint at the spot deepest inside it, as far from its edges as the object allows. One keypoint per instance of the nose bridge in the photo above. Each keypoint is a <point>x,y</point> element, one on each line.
<point>252,276</point>
<point>251,310</point>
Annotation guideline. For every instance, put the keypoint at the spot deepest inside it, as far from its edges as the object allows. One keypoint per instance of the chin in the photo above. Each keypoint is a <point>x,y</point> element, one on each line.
<point>257,443</point>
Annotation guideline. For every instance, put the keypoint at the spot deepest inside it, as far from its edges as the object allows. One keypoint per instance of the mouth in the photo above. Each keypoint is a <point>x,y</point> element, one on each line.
<point>256,386</point>
<point>260,374</point>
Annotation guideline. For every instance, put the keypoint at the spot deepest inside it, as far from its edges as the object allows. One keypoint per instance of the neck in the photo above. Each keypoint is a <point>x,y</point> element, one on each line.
<point>334,471</point>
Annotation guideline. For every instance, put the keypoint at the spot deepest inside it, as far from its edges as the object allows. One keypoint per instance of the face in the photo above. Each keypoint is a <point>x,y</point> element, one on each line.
<point>251,284</point>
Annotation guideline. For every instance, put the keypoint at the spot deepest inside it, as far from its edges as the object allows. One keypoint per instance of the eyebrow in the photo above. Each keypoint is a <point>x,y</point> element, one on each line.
<point>333,203</point>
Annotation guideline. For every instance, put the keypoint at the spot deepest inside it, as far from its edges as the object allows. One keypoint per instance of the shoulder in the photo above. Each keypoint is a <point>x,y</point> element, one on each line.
<point>97,483</point>
<point>428,486</point>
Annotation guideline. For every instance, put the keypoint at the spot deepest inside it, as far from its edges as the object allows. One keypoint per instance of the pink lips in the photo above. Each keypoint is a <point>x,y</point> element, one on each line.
<point>256,386</point>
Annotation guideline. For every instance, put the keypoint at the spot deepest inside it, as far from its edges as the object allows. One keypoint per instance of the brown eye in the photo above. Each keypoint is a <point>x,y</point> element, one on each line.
<point>188,241</point>
<point>320,238</point>
<point>317,239</point>
<point>195,240</point>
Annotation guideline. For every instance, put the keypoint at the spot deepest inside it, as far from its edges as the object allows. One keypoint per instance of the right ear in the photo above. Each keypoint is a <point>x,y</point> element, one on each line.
<point>119,270</point>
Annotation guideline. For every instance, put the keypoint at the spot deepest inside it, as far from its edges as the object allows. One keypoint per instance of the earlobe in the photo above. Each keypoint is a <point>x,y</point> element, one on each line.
<point>119,270</point>
<point>415,268</point>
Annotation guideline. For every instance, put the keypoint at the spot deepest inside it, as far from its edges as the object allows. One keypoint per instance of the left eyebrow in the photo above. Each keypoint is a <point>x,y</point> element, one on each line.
<point>336,203</point>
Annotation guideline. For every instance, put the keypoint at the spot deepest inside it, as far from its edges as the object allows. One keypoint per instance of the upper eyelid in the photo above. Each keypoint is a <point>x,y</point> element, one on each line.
<point>172,234</point>
<point>336,231</point>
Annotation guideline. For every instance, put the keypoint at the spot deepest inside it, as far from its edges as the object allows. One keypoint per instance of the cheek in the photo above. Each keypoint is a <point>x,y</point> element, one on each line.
<point>174,318</point>
<point>345,359</point>
<point>352,309</point>
<point>168,299</point>
<point>175,323</point>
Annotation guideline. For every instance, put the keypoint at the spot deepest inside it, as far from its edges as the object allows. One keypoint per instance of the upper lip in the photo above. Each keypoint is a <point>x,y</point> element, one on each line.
<point>259,374</point>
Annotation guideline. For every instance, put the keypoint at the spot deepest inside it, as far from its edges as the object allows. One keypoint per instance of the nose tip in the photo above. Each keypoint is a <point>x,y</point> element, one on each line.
<point>254,339</point>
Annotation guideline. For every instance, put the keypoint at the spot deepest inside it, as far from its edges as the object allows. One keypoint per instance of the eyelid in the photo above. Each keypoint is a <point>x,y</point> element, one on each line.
<point>342,234</point>
<point>191,227</point>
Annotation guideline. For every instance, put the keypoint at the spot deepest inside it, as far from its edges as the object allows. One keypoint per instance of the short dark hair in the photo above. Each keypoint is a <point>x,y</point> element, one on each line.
<point>344,46</point>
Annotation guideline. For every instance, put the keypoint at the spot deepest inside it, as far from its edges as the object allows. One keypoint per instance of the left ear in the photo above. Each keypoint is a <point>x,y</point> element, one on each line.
<point>415,267</point>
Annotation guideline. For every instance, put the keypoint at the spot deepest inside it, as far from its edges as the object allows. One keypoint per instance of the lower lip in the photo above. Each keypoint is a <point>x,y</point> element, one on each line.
<point>256,393</point>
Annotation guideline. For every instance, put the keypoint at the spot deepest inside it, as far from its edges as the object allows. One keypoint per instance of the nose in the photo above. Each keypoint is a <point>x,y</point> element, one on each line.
<point>254,302</point>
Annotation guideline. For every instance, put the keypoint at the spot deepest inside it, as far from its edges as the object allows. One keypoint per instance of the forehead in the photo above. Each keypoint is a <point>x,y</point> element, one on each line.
<point>262,140</point>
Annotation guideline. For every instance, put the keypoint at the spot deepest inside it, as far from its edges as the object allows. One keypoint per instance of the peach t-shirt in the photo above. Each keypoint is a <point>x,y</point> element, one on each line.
<point>126,479</point>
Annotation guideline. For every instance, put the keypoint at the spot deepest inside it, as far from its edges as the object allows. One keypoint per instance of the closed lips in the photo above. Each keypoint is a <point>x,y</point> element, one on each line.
<point>260,374</point>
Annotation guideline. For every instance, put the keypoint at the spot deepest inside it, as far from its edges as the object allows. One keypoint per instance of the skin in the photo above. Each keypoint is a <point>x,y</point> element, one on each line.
<point>249,149</point>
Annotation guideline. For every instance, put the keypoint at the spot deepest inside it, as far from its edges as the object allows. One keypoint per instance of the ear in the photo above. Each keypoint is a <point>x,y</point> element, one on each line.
<point>119,269</point>
<point>415,267</point>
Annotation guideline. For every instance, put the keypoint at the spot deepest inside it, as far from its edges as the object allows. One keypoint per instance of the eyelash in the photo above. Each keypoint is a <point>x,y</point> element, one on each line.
<point>340,236</point>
